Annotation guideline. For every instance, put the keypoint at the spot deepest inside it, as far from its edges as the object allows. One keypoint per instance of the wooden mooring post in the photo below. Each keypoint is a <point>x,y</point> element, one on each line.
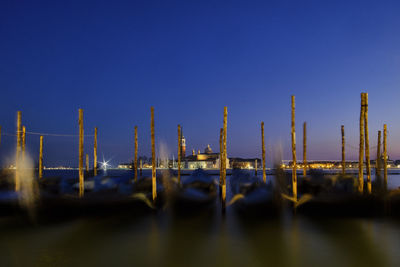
<point>221,154</point>
<point>361,148</point>
<point>378,156</point>
<point>255,167</point>
<point>23,144</point>
<point>135,167</point>
<point>385,178</point>
<point>304,149</point>
<point>17,156</point>
<point>81,174</point>
<point>367,155</point>
<point>95,152</point>
<point>343,152</point>
<point>41,157</point>
<point>141,167</point>
<point>87,163</point>
<point>179,153</point>
<point>224,157</point>
<point>263,152</point>
<point>293,130</point>
<point>153,157</point>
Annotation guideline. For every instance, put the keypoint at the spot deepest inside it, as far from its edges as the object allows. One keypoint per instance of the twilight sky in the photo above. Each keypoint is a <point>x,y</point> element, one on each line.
<point>116,59</point>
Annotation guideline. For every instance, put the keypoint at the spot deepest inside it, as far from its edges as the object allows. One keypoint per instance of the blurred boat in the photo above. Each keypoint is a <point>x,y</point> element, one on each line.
<point>166,186</point>
<point>253,197</point>
<point>58,197</point>
<point>337,195</point>
<point>198,192</point>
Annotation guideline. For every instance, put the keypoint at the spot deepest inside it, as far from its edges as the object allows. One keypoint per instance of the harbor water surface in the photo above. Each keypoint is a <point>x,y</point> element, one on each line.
<point>205,239</point>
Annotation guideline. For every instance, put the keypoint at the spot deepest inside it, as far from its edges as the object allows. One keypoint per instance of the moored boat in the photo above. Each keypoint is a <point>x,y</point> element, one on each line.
<point>197,192</point>
<point>253,197</point>
<point>337,195</point>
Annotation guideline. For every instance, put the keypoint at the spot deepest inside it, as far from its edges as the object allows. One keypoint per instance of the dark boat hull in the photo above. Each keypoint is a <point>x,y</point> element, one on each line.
<point>254,198</point>
<point>347,205</point>
<point>198,193</point>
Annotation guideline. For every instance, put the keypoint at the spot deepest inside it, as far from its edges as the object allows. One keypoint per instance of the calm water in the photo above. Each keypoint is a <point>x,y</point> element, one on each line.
<point>203,240</point>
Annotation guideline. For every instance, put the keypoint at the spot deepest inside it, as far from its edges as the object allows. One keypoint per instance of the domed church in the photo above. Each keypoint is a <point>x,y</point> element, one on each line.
<point>206,160</point>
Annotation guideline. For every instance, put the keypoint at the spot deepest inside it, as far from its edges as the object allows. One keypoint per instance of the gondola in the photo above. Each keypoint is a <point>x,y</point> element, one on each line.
<point>196,193</point>
<point>57,197</point>
<point>337,195</point>
<point>253,197</point>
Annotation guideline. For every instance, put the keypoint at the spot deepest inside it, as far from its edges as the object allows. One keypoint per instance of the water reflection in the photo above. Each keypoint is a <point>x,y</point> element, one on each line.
<point>206,239</point>
<point>197,241</point>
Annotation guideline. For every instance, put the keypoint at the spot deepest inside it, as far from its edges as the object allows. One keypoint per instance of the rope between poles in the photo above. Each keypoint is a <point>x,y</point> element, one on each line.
<point>62,135</point>
<point>48,134</point>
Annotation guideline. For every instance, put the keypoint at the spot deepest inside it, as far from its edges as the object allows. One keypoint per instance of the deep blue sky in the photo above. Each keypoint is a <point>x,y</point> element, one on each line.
<point>116,59</point>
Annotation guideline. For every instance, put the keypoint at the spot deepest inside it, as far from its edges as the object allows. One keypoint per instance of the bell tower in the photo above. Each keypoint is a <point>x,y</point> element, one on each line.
<point>183,140</point>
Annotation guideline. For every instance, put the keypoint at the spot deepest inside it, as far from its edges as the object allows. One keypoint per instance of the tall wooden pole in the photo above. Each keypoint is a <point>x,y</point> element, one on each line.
<point>41,158</point>
<point>153,157</point>
<point>224,157</point>
<point>294,174</point>
<point>141,167</point>
<point>367,158</point>
<point>95,153</point>
<point>136,153</point>
<point>385,155</point>
<point>23,143</point>
<point>179,153</point>
<point>255,167</point>
<point>304,149</point>
<point>361,148</point>
<point>263,152</point>
<point>87,163</point>
<point>17,157</point>
<point>81,174</point>
<point>378,156</point>
<point>221,154</point>
<point>343,152</point>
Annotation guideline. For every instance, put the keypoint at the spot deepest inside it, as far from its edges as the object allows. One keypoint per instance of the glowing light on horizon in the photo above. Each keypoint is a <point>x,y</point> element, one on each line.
<point>105,164</point>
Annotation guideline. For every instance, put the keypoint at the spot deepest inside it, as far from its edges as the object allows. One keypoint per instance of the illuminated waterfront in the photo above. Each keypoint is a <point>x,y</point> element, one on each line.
<point>199,133</point>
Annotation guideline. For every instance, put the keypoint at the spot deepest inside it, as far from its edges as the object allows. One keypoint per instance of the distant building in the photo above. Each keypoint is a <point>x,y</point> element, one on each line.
<point>206,160</point>
<point>124,166</point>
<point>332,164</point>
<point>183,142</point>
<point>208,150</point>
<point>240,163</point>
